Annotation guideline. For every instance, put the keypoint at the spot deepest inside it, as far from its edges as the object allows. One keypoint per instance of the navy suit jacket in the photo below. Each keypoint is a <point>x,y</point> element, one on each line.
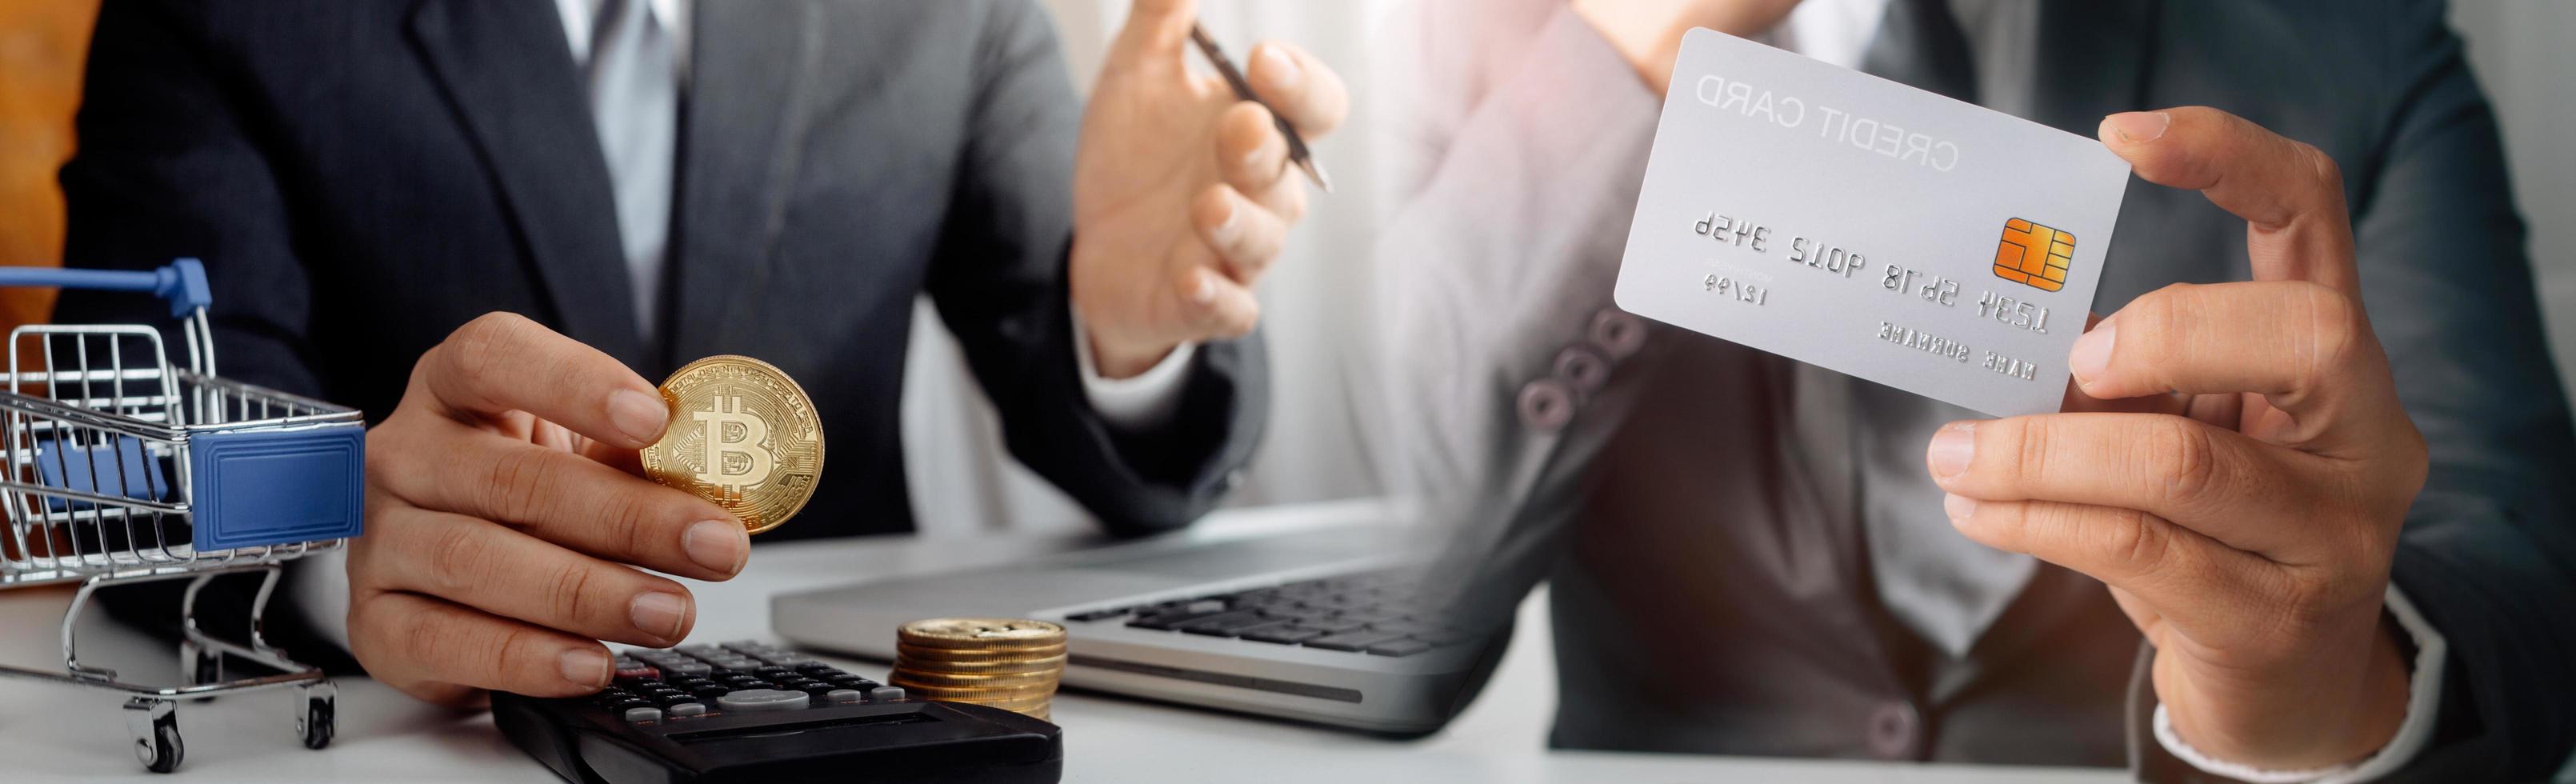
<point>363,176</point>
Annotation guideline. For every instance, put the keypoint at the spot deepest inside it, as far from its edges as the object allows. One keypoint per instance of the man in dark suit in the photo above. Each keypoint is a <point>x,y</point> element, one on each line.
<point>642,185</point>
<point>2306,519</point>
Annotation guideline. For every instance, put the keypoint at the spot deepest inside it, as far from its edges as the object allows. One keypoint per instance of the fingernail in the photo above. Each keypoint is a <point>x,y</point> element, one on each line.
<point>1226,229</point>
<point>658,614</point>
<point>585,666</point>
<point>1206,292</point>
<point>1283,68</point>
<point>1952,448</point>
<point>1958,507</point>
<point>2136,127</point>
<point>719,545</point>
<point>2092,352</point>
<point>638,415</point>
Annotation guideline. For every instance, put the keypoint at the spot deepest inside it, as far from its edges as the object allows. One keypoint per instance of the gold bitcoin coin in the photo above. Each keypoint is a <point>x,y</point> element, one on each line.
<point>981,667</point>
<point>1013,681</point>
<point>939,687</point>
<point>742,435</point>
<point>943,657</point>
<point>980,634</point>
<point>1020,702</point>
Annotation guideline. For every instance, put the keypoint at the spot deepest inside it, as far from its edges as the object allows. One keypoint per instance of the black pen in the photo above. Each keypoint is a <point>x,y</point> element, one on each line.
<point>1297,153</point>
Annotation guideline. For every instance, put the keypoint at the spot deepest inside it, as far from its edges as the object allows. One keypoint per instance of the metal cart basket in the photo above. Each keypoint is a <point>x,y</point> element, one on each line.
<point>120,468</point>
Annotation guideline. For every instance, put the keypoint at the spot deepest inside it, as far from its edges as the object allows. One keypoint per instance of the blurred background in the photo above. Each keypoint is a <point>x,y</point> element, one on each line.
<point>1316,311</point>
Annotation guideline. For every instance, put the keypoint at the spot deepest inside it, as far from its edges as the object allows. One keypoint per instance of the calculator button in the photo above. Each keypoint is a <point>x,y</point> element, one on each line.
<point>644,715</point>
<point>687,709</point>
<point>886,693</point>
<point>749,700</point>
<point>845,695</point>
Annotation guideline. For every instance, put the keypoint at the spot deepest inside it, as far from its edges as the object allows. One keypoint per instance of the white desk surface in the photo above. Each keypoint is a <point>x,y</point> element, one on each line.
<point>54,732</point>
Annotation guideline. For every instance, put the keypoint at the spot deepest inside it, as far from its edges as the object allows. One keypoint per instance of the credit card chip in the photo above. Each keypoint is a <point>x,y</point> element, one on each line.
<point>2034,255</point>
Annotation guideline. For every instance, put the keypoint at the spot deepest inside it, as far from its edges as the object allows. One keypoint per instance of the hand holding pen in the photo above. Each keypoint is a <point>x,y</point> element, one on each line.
<point>1298,155</point>
<point>1182,191</point>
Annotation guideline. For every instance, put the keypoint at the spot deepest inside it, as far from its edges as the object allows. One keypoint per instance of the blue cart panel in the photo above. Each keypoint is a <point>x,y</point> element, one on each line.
<point>259,488</point>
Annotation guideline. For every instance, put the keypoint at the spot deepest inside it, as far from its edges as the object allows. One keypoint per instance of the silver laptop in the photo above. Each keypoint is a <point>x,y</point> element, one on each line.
<point>1328,625</point>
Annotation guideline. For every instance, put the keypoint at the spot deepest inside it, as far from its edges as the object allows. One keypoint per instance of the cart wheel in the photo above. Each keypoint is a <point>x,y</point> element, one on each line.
<point>204,666</point>
<point>319,725</point>
<point>162,749</point>
<point>320,718</point>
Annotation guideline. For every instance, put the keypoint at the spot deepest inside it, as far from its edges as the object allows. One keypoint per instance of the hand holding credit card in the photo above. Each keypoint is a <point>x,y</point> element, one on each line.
<point>1868,227</point>
<point>2238,452</point>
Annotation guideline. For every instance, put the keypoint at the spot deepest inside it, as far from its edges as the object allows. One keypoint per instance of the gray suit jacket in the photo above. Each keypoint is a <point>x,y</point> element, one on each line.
<point>1711,590</point>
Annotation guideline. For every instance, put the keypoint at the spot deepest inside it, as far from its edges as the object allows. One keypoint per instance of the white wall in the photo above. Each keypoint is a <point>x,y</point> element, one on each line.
<point>2520,51</point>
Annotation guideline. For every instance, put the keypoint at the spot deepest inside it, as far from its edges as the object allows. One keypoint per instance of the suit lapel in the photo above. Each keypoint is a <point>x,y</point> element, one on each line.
<point>742,137</point>
<point>505,69</point>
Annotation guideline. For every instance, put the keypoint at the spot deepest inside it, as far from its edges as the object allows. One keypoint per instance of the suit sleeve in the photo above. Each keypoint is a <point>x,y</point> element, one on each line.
<point>2488,548</point>
<point>1495,268</point>
<point>1000,285</point>
<point>169,166</point>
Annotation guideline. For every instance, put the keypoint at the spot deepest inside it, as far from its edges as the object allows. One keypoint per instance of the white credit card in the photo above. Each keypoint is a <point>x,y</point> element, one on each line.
<point>1867,227</point>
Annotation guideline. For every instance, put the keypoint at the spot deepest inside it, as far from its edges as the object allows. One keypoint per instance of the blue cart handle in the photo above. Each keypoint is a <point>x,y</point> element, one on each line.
<point>183,283</point>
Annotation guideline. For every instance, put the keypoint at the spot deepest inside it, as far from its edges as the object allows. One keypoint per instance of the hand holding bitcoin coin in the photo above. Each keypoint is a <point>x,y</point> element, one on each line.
<point>741,435</point>
<point>1005,663</point>
<point>504,540</point>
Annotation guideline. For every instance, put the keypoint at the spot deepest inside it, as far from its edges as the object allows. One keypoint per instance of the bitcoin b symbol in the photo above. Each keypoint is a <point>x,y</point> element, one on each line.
<point>731,430</point>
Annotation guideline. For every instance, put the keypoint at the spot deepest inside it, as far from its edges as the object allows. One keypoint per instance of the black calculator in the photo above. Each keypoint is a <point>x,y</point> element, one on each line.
<point>755,713</point>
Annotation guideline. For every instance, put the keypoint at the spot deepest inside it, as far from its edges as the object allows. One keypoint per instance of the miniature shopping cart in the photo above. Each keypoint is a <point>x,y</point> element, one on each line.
<point>123,469</point>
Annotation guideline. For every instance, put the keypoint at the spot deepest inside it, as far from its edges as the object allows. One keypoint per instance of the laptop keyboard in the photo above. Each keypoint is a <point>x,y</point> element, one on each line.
<point>1379,613</point>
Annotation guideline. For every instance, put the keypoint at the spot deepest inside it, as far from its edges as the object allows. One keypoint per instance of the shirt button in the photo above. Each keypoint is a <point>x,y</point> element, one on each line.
<point>1546,405</point>
<point>1895,729</point>
<point>1583,368</point>
<point>1617,333</point>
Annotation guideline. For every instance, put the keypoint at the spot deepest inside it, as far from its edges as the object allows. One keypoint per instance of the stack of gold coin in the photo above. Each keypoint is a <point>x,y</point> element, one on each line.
<point>1001,662</point>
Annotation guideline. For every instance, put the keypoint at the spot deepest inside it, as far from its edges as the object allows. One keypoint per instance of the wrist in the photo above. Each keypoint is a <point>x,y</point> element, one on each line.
<point>1116,360</point>
<point>2326,715</point>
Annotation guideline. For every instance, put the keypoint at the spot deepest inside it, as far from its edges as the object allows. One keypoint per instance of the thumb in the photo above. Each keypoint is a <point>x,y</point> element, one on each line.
<point>1155,28</point>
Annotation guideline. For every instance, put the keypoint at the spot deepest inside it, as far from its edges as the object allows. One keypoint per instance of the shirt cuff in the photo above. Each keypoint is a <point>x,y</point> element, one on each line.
<point>2423,699</point>
<point>1137,403</point>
